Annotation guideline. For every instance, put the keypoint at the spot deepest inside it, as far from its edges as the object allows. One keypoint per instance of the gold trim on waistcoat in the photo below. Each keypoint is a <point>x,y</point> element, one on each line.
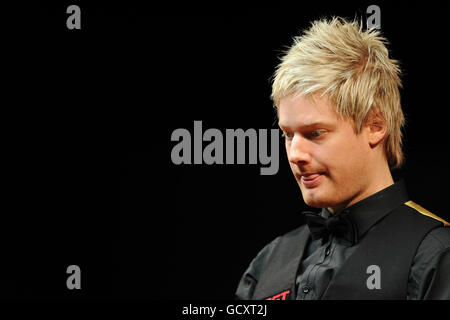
<point>425,212</point>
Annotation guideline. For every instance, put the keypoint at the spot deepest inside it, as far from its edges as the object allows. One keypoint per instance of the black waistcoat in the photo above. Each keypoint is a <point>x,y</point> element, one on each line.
<point>391,245</point>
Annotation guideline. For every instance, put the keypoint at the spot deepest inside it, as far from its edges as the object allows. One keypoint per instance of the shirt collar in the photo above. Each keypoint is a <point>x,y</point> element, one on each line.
<point>370,210</point>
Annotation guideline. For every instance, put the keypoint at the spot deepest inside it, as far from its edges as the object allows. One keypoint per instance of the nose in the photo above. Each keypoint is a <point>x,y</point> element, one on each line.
<point>299,150</point>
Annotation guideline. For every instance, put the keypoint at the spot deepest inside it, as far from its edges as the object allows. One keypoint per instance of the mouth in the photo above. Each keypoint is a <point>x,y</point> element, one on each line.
<point>311,180</point>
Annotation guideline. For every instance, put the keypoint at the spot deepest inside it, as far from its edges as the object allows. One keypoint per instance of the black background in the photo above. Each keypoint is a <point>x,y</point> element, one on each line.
<point>93,111</point>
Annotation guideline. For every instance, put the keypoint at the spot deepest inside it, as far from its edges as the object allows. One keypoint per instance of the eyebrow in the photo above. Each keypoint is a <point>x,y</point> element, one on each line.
<point>306,125</point>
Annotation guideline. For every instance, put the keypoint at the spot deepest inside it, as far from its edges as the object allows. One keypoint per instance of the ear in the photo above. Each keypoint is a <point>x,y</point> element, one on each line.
<point>376,128</point>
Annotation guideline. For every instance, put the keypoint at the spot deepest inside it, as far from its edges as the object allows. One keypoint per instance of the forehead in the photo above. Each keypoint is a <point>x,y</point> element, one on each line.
<point>297,110</point>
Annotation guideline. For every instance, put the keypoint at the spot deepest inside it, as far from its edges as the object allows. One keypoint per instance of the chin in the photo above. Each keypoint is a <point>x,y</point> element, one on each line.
<point>315,204</point>
<point>315,200</point>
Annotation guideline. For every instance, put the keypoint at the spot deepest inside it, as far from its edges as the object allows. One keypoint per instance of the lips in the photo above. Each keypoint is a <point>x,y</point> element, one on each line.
<point>310,176</point>
<point>311,180</point>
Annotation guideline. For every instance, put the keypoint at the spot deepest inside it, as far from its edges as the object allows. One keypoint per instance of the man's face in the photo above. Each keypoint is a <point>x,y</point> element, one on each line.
<point>329,161</point>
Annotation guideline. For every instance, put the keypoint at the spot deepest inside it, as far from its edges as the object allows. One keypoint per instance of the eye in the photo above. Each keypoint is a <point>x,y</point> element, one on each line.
<point>316,133</point>
<point>287,135</point>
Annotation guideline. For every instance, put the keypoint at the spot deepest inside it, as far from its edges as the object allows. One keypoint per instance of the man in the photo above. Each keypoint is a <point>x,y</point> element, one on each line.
<point>337,96</point>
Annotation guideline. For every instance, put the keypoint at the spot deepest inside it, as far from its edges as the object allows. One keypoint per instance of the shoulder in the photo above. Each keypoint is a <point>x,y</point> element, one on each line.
<point>437,239</point>
<point>264,255</point>
<point>435,243</point>
<point>431,260</point>
<point>251,276</point>
<point>433,248</point>
<point>421,211</point>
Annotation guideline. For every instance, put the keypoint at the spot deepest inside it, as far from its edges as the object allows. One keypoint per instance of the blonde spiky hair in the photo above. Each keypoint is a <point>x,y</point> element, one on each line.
<point>337,58</point>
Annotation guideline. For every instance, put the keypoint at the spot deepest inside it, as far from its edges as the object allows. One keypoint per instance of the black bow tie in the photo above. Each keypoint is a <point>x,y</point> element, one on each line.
<point>341,225</point>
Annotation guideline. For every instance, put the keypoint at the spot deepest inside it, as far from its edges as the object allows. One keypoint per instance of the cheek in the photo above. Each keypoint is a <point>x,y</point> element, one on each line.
<point>286,147</point>
<point>293,167</point>
<point>343,158</point>
<point>358,155</point>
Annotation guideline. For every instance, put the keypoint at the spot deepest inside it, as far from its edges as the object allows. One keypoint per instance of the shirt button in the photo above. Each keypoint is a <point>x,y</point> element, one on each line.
<point>306,289</point>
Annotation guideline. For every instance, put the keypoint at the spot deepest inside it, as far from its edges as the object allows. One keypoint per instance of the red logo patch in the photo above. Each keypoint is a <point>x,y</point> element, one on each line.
<point>280,296</point>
